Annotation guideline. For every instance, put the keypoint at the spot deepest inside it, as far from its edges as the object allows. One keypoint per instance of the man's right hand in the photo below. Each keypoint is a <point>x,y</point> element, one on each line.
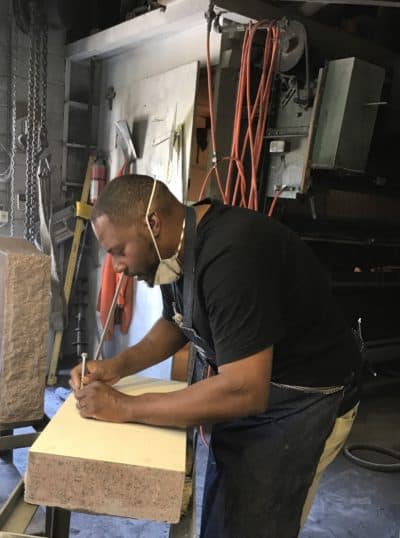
<point>104,370</point>
<point>163,340</point>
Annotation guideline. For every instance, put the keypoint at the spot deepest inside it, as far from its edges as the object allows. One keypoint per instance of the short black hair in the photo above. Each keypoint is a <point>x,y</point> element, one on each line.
<point>125,199</point>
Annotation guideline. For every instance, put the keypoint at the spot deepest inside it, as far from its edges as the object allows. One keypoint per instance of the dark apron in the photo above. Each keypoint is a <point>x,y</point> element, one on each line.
<point>260,467</point>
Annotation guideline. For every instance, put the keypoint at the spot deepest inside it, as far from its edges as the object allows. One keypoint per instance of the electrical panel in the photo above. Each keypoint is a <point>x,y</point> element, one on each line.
<point>333,131</point>
<point>347,114</point>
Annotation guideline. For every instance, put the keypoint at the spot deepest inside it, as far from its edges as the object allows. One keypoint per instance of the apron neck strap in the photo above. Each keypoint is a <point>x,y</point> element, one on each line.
<point>189,264</point>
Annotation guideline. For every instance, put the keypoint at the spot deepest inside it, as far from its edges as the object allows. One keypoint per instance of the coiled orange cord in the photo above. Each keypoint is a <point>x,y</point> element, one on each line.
<point>236,191</point>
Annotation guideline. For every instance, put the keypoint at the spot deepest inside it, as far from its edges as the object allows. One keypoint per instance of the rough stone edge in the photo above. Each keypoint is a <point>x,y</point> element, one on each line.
<point>104,488</point>
<point>36,412</point>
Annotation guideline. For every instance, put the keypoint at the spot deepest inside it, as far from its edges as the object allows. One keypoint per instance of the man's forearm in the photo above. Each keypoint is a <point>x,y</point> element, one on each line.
<point>163,340</point>
<point>208,401</point>
<point>241,388</point>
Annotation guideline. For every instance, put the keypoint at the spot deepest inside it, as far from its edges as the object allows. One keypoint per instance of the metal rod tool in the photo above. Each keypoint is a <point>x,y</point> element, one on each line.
<point>109,317</point>
<point>84,358</point>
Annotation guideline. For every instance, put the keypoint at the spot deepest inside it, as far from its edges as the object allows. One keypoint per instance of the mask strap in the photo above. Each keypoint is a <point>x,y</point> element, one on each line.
<point>153,190</point>
<point>181,237</point>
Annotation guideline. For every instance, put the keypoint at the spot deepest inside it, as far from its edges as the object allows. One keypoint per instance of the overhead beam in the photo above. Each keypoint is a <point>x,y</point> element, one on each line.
<point>178,15</point>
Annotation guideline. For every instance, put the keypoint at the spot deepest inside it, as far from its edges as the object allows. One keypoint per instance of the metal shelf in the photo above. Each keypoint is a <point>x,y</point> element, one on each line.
<point>79,146</point>
<point>72,185</point>
<point>79,105</point>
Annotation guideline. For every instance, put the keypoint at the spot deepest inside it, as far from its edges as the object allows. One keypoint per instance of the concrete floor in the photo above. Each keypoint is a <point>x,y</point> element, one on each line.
<point>352,501</point>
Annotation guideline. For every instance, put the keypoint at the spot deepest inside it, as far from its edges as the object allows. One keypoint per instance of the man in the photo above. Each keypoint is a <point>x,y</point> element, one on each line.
<point>282,364</point>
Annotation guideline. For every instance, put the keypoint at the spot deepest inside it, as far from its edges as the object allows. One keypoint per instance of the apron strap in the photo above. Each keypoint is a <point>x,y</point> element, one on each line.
<point>206,354</point>
<point>189,265</point>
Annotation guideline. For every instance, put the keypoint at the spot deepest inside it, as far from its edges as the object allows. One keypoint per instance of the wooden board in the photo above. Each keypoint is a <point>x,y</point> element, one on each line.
<point>24,330</point>
<point>129,470</point>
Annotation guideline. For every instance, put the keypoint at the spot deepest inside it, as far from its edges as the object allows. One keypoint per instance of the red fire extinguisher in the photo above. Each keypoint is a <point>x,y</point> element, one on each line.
<point>98,181</point>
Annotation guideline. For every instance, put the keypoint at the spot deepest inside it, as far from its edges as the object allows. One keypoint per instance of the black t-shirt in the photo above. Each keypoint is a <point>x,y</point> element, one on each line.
<point>257,285</point>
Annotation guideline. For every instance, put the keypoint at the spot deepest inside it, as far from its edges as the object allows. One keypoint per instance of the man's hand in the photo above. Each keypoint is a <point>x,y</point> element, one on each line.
<point>102,402</point>
<point>106,371</point>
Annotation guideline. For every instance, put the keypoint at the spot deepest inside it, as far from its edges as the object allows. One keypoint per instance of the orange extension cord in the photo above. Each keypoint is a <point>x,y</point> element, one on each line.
<point>236,191</point>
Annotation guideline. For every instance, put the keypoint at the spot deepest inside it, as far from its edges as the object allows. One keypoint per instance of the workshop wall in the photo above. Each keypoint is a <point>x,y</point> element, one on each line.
<point>127,73</point>
<point>55,108</point>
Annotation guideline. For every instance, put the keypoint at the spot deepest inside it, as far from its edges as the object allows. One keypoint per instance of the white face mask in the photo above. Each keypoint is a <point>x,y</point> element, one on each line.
<point>169,269</point>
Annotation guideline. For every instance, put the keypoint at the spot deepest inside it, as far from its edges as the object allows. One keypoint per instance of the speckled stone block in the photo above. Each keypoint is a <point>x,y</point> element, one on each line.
<point>24,329</point>
<point>128,470</point>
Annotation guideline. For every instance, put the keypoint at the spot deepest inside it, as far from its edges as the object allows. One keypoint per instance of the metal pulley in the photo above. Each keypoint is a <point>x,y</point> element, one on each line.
<point>291,45</point>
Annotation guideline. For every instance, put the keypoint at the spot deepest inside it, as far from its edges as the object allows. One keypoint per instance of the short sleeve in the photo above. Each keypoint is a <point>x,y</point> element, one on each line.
<point>242,293</point>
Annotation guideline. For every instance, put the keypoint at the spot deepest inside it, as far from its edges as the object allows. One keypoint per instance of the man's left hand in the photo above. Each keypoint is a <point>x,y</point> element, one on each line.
<point>102,402</point>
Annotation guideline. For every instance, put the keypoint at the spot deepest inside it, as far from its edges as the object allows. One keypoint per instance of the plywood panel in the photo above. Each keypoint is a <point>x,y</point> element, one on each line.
<point>129,470</point>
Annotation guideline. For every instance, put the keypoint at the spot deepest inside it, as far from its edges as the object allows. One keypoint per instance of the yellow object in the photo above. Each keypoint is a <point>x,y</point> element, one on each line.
<point>69,275</point>
<point>83,210</point>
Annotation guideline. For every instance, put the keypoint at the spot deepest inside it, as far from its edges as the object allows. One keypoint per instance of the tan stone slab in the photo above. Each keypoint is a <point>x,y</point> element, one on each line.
<point>24,329</point>
<point>129,470</point>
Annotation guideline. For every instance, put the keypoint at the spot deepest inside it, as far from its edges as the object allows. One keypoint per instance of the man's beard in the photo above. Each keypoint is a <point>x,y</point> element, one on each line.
<point>147,277</point>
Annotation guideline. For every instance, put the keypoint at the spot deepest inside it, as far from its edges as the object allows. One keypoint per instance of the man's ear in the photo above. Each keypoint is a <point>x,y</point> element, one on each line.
<point>154,222</point>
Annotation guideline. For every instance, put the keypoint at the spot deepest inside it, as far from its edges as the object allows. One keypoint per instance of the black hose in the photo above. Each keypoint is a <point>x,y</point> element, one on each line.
<point>382,467</point>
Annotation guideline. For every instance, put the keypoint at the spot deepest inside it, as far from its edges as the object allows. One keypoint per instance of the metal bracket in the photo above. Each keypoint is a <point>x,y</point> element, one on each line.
<point>110,96</point>
<point>16,514</point>
<point>10,441</point>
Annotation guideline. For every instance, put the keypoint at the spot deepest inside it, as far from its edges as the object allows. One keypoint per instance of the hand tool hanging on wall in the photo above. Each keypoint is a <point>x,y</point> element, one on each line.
<point>126,142</point>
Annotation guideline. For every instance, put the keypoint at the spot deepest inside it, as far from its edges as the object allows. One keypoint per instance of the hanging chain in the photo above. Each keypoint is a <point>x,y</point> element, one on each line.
<point>29,128</point>
<point>13,95</point>
<point>36,118</point>
<point>43,113</point>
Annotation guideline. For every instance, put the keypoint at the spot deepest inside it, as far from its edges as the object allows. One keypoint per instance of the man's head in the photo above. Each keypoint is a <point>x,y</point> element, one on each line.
<point>119,223</point>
